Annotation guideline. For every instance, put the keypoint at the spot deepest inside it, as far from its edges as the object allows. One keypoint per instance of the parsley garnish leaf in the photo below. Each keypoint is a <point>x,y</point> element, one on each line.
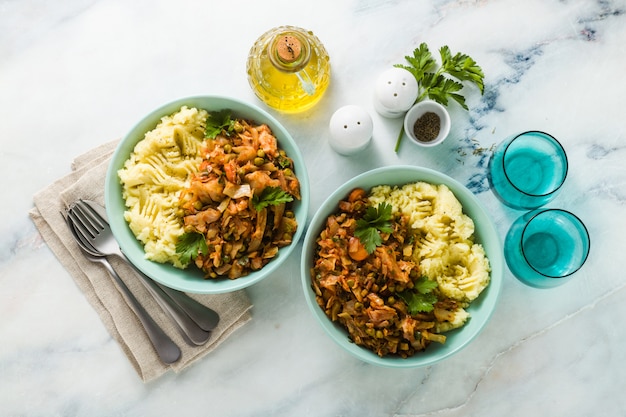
<point>374,221</point>
<point>424,285</point>
<point>218,122</point>
<point>270,195</point>
<point>369,237</point>
<point>420,299</point>
<point>189,245</point>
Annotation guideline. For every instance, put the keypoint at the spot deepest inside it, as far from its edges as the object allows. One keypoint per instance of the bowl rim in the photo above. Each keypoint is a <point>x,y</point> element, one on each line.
<point>488,299</point>
<point>191,280</point>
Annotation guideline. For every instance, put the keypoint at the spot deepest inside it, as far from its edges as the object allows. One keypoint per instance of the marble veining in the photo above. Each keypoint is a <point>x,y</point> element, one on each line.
<point>76,74</point>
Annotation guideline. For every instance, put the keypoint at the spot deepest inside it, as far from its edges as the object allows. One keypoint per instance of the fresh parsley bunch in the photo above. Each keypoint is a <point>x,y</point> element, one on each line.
<point>443,82</point>
<point>432,80</point>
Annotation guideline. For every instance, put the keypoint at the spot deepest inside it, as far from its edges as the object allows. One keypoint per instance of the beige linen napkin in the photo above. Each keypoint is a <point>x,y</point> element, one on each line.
<point>87,181</point>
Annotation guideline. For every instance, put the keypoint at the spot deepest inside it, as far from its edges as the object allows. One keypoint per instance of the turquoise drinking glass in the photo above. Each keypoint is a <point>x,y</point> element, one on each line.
<point>527,170</point>
<point>543,248</point>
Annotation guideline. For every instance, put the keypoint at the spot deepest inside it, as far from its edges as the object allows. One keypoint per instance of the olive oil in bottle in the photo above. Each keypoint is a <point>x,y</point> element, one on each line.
<point>288,69</point>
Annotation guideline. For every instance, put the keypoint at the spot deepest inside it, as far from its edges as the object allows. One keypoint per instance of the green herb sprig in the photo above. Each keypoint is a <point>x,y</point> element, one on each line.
<point>189,245</point>
<point>434,81</point>
<point>218,122</point>
<point>270,196</point>
<point>421,298</point>
<point>374,221</point>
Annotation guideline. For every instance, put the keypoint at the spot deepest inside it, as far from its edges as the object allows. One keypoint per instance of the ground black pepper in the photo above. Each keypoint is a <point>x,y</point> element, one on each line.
<point>426,127</point>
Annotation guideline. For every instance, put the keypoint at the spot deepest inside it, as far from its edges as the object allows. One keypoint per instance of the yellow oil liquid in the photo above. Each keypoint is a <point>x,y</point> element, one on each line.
<point>288,91</point>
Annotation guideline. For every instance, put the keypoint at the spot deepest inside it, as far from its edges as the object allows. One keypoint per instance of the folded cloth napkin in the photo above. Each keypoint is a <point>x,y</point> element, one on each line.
<point>87,181</point>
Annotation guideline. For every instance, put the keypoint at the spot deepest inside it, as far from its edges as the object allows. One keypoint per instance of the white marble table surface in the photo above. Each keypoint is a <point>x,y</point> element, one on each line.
<point>78,73</point>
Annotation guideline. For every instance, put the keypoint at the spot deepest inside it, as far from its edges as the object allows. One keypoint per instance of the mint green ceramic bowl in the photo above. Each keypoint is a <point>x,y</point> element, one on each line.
<point>485,232</point>
<point>191,279</point>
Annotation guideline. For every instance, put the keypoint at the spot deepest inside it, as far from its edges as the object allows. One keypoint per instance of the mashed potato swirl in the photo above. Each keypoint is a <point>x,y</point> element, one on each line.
<point>445,247</point>
<point>154,175</point>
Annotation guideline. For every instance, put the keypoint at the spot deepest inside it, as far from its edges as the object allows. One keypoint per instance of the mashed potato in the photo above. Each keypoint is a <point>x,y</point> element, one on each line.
<point>444,246</point>
<point>152,178</point>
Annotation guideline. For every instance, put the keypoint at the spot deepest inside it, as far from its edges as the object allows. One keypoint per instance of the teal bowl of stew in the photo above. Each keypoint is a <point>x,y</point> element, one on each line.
<point>485,233</point>
<point>191,279</point>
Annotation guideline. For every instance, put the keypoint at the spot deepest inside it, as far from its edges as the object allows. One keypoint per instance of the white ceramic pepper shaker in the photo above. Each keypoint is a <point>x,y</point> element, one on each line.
<point>351,129</point>
<point>396,91</point>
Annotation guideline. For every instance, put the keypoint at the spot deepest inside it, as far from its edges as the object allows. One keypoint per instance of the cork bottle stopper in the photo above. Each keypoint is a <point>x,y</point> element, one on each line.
<point>289,49</point>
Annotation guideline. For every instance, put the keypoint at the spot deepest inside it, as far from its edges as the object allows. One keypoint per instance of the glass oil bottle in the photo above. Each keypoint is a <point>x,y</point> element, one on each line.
<point>288,69</point>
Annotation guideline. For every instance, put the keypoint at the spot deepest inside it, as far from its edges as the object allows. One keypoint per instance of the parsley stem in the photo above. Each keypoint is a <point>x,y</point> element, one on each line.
<point>399,138</point>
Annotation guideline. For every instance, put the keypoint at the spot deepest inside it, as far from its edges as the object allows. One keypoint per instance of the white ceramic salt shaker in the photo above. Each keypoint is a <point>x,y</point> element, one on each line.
<point>396,91</point>
<point>351,129</point>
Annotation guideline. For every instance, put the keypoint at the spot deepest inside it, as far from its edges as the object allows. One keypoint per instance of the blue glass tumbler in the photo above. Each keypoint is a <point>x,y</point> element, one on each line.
<point>543,248</point>
<point>527,170</point>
